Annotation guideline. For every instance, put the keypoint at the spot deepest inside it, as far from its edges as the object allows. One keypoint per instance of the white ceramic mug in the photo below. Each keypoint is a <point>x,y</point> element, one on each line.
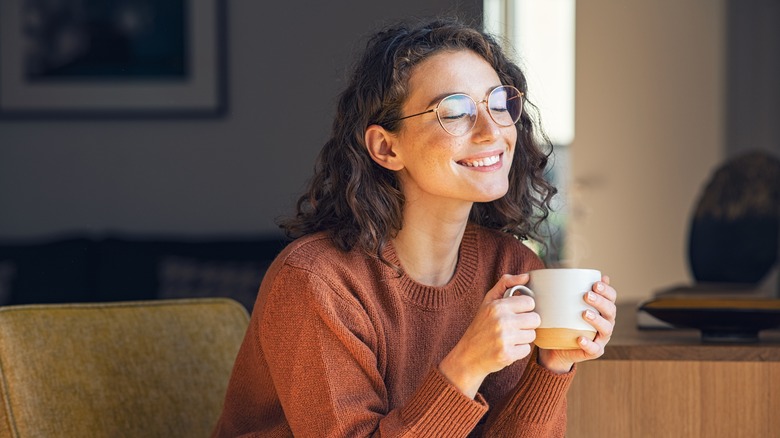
<point>559,296</point>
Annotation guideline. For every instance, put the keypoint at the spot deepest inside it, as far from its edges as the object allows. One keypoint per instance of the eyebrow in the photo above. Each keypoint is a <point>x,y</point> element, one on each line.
<point>441,96</point>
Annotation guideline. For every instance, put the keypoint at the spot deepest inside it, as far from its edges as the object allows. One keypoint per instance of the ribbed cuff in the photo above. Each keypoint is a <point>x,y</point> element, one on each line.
<point>543,391</point>
<point>538,395</point>
<point>439,409</point>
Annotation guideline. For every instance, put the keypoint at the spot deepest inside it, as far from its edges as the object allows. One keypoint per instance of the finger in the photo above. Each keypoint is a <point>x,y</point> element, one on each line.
<point>506,282</point>
<point>603,326</point>
<point>605,290</point>
<point>521,351</point>
<point>522,337</point>
<point>520,329</point>
<point>605,307</point>
<point>520,303</point>
<point>593,348</point>
<point>528,321</point>
<point>605,278</point>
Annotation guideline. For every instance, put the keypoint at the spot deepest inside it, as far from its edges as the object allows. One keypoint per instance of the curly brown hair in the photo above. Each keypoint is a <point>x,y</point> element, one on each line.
<point>360,203</point>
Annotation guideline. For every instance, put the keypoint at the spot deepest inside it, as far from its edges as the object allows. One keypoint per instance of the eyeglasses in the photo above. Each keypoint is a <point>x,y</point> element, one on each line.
<point>457,113</point>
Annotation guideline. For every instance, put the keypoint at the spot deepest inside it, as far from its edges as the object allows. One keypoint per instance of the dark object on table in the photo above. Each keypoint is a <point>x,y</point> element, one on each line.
<point>736,227</point>
<point>719,319</point>
<point>732,247</point>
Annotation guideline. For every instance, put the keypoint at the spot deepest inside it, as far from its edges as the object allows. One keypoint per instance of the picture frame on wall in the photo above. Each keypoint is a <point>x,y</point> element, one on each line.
<point>112,58</point>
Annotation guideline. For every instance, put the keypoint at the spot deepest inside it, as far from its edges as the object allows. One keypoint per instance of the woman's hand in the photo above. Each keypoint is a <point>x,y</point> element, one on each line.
<point>500,334</point>
<point>602,298</point>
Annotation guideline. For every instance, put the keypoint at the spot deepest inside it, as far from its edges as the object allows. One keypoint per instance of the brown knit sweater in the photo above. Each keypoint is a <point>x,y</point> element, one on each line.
<point>340,345</point>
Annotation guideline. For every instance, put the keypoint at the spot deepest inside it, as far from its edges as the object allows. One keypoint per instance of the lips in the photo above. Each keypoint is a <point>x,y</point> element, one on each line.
<point>481,162</point>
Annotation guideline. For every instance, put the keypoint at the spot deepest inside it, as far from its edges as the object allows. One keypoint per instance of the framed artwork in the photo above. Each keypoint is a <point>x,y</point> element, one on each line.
<point>112,58</point>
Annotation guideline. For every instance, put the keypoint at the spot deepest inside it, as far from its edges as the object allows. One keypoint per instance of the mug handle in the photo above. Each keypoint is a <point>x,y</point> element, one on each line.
<point>522,290</point>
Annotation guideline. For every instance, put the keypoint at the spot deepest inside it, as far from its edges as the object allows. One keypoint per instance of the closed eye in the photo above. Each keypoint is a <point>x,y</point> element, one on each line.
<point>455,116</point>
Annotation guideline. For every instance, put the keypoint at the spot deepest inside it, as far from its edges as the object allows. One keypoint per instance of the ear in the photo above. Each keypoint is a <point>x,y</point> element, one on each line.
<point>380,144</point>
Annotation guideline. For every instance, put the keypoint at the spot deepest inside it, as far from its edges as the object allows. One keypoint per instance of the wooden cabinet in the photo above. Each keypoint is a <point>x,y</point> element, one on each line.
<point>668,384</point>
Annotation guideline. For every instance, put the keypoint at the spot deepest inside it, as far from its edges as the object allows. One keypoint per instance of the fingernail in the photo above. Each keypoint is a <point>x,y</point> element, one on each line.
<point>583,342</point>
<point>600,287</point>
<point>589,314</point>
<point>591,297</point>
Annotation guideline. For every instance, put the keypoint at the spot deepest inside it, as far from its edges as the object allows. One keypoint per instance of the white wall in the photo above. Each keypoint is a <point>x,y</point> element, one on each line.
<point>650,92</point>
<point>288,61</point>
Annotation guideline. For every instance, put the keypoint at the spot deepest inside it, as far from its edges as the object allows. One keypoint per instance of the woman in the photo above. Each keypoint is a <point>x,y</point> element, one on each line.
<point>385,317</point>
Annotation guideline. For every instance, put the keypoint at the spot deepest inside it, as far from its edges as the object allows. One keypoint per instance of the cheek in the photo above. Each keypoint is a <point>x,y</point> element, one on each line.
<point>511,156</point>
<point>435,150</point>
<point>513,146</point>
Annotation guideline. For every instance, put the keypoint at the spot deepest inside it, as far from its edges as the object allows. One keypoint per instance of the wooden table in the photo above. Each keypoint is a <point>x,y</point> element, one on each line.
<point>667,383</point>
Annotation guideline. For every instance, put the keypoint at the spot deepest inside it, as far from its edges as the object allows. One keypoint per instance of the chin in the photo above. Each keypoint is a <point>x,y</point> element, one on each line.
<point>490,197</point>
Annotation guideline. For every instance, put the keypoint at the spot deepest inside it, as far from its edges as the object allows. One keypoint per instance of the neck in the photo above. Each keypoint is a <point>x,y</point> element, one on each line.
<point>428,244</point>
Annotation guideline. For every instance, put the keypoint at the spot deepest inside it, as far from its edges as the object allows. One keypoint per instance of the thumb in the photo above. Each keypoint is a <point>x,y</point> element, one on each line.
<point>505,282</point>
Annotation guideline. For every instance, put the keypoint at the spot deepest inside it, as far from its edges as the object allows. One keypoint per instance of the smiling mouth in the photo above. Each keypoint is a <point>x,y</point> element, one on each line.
<point>482,162</point>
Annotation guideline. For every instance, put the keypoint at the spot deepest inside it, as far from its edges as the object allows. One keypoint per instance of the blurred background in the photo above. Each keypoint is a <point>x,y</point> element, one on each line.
<point>665,92</point>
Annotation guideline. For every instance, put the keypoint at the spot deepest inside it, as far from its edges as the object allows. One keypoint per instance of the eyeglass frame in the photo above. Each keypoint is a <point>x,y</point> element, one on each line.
<point>435,109</point>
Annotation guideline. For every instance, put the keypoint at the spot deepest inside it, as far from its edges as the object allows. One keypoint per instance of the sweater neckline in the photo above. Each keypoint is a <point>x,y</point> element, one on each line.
<point>437,297</point>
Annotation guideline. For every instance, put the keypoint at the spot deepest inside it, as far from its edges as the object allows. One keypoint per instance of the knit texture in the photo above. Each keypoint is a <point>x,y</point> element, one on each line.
<point>341,345</point>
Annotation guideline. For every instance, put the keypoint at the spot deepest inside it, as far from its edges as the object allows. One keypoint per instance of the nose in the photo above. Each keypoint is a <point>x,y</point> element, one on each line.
<point>485,128</point>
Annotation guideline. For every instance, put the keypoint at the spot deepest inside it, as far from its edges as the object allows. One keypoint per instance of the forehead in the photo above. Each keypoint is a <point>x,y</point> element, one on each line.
<point>447,72</point>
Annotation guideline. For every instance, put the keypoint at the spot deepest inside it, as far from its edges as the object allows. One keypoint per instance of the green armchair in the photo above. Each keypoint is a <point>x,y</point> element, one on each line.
<point>132,369</point>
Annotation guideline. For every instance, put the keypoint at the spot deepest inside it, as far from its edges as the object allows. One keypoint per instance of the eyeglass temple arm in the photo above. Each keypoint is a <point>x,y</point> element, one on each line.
<point>415,115</point>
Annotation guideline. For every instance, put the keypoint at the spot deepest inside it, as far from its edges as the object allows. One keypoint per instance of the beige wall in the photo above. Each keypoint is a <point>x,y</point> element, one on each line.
<point>650,93</point>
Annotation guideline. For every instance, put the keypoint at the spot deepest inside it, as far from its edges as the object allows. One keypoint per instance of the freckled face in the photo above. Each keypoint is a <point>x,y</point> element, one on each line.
<point>437,166</point>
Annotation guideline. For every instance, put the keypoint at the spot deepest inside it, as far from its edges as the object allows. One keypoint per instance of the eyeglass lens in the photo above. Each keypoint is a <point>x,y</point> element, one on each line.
<point>458,113</point>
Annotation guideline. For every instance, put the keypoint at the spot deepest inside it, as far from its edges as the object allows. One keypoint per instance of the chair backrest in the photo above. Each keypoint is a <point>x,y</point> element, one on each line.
<point>133,369</point>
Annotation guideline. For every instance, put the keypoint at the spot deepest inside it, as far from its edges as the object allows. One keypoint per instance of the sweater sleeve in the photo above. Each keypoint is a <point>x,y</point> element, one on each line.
<point>535,408</point>
<point>325,362</point>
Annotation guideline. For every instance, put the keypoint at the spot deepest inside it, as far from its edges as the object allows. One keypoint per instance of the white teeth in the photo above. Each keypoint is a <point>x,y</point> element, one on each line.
<point>488,161</point>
